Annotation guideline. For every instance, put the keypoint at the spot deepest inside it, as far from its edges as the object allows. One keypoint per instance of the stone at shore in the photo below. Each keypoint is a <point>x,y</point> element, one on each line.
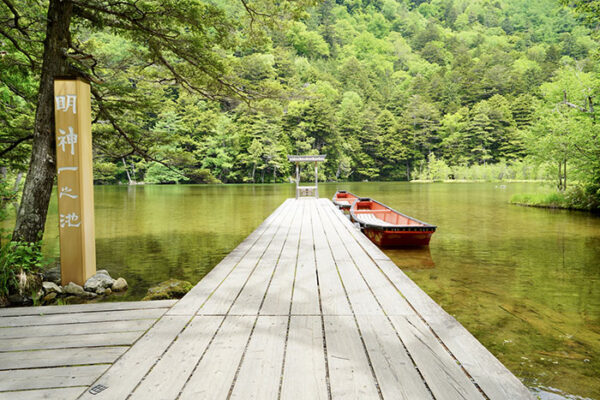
<point>170,289</point>
<point>49,297</point>
<point>100,291</point>
<point>52,275</point>
<point>100,280</point>
<point>51,287</point>
<point>73,288</point>
<point>119,285</point>
<point>107,291</point>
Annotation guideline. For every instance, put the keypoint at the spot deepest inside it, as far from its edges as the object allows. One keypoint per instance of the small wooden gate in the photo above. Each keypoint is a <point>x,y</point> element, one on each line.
<point>307,190</point>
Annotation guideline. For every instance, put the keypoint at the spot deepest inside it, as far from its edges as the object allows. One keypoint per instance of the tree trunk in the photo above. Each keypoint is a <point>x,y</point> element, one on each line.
<point>31,217</point>
<point>274,174</point>
<point>253,171</point>
<point>129,179</point>
<point>16,189</point>
<point>565,174</point>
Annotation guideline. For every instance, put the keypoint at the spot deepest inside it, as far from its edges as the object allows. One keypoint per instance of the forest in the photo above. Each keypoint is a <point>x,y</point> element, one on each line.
<point>387,89</point>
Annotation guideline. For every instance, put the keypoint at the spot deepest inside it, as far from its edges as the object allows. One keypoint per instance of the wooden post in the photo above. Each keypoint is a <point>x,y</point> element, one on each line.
<point>297,180</point>
<point>316,180</point>
<point>73,127</point>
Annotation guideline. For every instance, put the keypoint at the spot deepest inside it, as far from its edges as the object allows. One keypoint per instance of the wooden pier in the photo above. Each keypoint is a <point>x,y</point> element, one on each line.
<point>305,307</point>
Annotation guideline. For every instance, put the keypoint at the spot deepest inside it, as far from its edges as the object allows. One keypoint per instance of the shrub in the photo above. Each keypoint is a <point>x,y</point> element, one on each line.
<point>17,258</point>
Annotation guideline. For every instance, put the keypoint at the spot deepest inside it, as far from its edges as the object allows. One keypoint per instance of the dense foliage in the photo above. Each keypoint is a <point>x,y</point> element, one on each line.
<point>380,86</point>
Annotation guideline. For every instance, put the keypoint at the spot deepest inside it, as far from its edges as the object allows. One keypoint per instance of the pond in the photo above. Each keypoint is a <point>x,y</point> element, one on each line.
<point>524,281</point>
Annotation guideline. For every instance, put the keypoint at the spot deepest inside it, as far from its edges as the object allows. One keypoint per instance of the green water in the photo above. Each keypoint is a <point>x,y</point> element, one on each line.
<point>524,281</point>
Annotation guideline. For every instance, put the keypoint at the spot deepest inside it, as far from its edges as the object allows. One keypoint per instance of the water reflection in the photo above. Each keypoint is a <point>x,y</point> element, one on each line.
<point>524,281</point>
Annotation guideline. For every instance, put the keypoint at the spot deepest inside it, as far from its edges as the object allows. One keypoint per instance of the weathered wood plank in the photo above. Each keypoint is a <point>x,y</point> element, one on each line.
<point>305,298</point>
<point>360,296</point>
<point>196,297</point>
<point>225,294</point>
<point>54,319</point>
<point>396,374</point>
<point>304,371</point>
<point>251,297</point>
<point>59,358</point>
<point>44,394</point>
<point>492,376</point>
<point>333,296</point>
<point>350,375</point>
<point>39,378</point>
<point>213,378</point>
<point>496,381</point>
<point>279,294</point>
<point>172,371</point>
<point>90,307</point>
<point>70,341</point>
<point>125,374</point>
<point>75,329</point>
<point>260,371</point>
<point>444,377</point>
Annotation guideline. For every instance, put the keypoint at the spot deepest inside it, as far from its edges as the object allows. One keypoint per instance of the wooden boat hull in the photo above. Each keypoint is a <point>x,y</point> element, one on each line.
<point>389,228</point>
<point>395,239</point>
<point>343,199</point>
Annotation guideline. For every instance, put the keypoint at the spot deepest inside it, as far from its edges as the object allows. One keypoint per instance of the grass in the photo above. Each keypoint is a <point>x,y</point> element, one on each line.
<point>545,200</point>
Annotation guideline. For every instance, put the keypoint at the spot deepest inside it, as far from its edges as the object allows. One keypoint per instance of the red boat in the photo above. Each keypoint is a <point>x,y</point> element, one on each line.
<point>387,227</point>
<point>343,199</point>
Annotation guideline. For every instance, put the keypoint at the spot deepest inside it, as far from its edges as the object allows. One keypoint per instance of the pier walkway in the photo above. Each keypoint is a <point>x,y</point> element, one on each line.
<point>305,307</point>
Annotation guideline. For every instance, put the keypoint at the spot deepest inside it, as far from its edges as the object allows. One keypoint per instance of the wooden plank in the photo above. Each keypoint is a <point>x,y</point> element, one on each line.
<point>260,372</point>
<point>305,298</point>
<point>350,376</point>
<point>441,372</point>
<point>62,357</point>
<point>172,371</point>
<point>444,377</point>
<point>90,307</point>
<point>69,341</point>
<point>492,377</point>
<point>362,300</point>
<point>39,378</point>
<point>395,371</point>
<point>496,381</point>
<point>333,296</point>
<point>44,394</point>
<point>251,297</point>
<point>224,295</point>
<point>124,375</point>
<point>196,297</point>
<point>54,319</point>
<point>213,377</point>
<point>304,371</point>
<point>76,329</point>
<point>279,294</point>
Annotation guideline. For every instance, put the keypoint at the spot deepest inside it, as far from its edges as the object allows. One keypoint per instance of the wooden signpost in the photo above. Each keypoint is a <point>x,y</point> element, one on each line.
<point>73,127</point>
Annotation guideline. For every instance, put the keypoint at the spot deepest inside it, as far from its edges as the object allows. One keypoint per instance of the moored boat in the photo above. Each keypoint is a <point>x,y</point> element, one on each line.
<point>343,199</point>
<point>387,227</point>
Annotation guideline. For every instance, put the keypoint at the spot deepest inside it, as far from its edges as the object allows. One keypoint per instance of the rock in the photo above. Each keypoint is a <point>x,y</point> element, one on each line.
<point>17,299</point>
<point>102,272</point>
<point>170,289</point>
<point>73,288</point>
<point>107,291</point>
<point>100,291</point>
<point>119,285</point>
<point>99,280</point>
<point>49,297</point>
<point>89,295</point>
<point>52,275</point>
<point>74,300</point>
<point>51,287</point>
